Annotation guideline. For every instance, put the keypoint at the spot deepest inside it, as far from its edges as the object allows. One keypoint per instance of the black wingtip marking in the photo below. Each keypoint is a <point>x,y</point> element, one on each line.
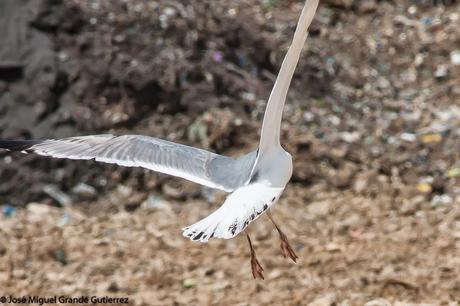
<point>197,237</point>
<point>18,145</point>
<point>233,226</point>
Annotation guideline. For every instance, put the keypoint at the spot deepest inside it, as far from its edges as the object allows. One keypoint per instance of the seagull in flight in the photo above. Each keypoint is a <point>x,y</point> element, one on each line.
<point>254,181</point>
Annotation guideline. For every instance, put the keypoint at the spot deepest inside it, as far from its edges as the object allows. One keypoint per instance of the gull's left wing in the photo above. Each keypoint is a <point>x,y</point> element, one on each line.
<point>197,165</point>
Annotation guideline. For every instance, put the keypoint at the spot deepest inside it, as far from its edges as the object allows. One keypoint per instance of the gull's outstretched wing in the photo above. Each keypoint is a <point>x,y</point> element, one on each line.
<point>197,165</point>
<point>273,114</point>
<point>240,208</point>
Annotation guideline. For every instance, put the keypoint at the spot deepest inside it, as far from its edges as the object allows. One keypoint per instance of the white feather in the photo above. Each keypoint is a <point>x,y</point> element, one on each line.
<point>240,208</point>
<point>273,114</point>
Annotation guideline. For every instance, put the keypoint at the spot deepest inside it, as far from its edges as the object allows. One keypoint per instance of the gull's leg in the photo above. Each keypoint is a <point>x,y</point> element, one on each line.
<point>285,246</point>
<point>257,270</point>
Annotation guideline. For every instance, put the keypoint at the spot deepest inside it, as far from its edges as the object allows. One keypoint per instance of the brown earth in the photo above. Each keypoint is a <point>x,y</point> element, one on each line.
<point>372,122</point>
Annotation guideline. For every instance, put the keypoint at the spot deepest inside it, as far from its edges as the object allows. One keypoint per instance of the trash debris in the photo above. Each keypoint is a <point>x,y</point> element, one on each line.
<point>439,200</point>
<point>454,172</point>
<point>441,71</point>
<point>65,219</point>
<point>155,202</point>
<point>350,137</point>
<point>455,57</point>
<point>54,192</point>
<point>431,138</point>
<point>410,137</point>
<point>424,187</point>
<point>8,210</point>
<point>188,283</point>
<point>84,191</point>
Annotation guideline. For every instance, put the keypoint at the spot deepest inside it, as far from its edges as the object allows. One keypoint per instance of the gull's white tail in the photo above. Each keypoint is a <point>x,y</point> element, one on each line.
<point>239,209</point>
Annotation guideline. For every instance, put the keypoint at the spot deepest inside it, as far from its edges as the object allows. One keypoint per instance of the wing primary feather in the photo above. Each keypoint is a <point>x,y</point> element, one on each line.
<point>18,145</point>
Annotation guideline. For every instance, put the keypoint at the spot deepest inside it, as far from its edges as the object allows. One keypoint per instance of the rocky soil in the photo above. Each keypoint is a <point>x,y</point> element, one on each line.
<point>372,121</point>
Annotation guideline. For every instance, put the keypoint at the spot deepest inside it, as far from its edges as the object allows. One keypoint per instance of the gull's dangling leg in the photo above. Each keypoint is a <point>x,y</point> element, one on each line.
<point>257,270</point>
<point>286,248</point>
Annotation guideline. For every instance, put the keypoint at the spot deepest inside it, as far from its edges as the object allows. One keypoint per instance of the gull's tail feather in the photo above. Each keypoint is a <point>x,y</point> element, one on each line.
<point>240,208</point>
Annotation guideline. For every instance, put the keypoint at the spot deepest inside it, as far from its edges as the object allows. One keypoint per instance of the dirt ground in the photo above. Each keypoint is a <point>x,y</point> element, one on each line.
<point>372,122</point>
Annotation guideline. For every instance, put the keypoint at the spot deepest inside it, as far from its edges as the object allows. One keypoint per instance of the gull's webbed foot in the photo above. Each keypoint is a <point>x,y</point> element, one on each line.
<point>257,270</point>
<point>286,248</point>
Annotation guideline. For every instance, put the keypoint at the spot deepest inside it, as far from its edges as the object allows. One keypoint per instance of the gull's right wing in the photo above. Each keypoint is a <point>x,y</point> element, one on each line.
<point>197,165</point>
<point>270,135</point>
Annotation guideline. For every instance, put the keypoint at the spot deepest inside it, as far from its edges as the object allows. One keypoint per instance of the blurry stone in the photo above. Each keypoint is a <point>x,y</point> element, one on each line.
<point>333,247</point>
<point>363,181</point>
<point>367,6</point>
<point>455,57</point>
<point>125,191</point>
<point>350,137</point>
<point>63,56</point>
<point>439,200</point>
<point>419,59</point>
<point>212,195</point>
<point>319,209</point>
<point>54,192</point>
<point>38,212</point>
<point>172,191</point>
<point>411,206</point>
<point>342,178</point>
<point>348,223</point>
<point>65,219</point>
<point>304,171</point>
<point>441,72</point>
<point>439,184</point>
<point>134,201</point>
<point>275,274</point>
<point>198,131</point>
<point>360,185</point>
<point>341,3</point>
<point>60,255</point>
<point>308,116</point>
<point>84,191</point>
<point>378,302</point>
<point>113,287</point>
<point>155,202</point>
<point>325,300</point>
<point>409,137</point>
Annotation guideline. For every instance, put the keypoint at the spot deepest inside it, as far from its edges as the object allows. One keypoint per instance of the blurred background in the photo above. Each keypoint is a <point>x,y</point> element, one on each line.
<point>372,121</point>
